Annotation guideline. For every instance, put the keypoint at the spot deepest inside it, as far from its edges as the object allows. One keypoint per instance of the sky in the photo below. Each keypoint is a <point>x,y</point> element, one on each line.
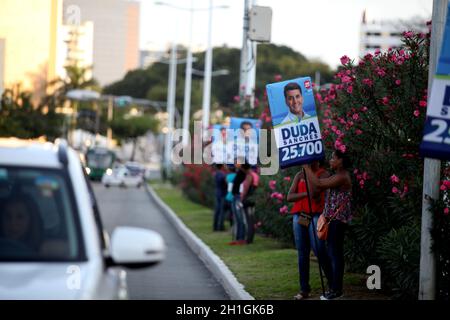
<point>319,29</point>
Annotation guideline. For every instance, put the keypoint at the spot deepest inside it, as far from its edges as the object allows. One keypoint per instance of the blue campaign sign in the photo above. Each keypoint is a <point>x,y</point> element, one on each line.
<point>246,138</point>
<point>436,135</point>
<point>295,122</point>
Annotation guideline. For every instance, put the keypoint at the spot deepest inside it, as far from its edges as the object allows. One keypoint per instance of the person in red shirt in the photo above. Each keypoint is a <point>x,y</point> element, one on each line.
<point>306,236</point>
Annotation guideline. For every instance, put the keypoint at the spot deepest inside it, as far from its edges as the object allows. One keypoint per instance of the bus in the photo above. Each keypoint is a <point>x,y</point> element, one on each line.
<point>98,161</point>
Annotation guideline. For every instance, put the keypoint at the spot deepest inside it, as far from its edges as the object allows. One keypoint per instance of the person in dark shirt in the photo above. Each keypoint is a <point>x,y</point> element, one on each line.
<point>237,207</point>
<point>221,192</point>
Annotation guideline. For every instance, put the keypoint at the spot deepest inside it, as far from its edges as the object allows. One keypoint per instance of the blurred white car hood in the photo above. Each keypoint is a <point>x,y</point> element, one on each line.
<point>43,281</point>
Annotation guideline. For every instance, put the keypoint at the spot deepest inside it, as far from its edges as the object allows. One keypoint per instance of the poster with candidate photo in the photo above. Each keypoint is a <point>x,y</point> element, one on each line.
<point>295,122</point>
<point>236,142</point>
<point>222,145</point>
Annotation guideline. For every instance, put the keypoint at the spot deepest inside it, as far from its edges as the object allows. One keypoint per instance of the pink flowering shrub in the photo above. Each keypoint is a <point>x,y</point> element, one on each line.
<point>375,111</point>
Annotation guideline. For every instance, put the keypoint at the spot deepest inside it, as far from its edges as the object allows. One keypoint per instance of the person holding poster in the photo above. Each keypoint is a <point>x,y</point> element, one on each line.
<point>338,211</point>
<point>305,233</point>
<point>295,122</point>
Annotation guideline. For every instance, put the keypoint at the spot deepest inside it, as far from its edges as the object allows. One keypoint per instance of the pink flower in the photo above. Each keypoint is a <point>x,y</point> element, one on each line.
<point>355,116</point>
<point>343,148</point>
<point>358,132</point>
<point>368,82</point>
<point>443,188</point>
<point>380,72</point>
<point>287,179</point>
<point>277,195</point>
<point>283,210</point>
<point>236,98</point>
<point>368,56</point>
<point>446,183</point>
<point>422,103</point>
<point>416,113</point>
<point>272,184</point>
<point>385,101</point>
<point>349,89</point>
<point>338,132</point>
<point>337,144</point>
<point>345,60</point>
<point>346,79</point>
<point>365,176</point>
<point>446,211</point>
<point>395,179</point>
<point>361,182</point>
<point>398,82</point>
<point>408,34</point>
<point>364,109</point>
<point>395,190</point>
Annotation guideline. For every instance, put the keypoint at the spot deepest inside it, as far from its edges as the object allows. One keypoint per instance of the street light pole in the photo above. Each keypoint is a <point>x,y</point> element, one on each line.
<point>207,82</point>
<point>188,80</point>
<point>170,106</point>
<point>244,55</point>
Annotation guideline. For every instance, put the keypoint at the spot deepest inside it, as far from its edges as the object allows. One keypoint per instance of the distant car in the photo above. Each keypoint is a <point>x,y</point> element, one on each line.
<point>121,176</point>
<point>52,242</point>
<point>135,168</point>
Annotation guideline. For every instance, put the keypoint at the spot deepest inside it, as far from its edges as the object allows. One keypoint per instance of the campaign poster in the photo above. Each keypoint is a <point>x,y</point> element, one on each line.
<point>295,122</point>
<point>436,134</point>
<point>246,138</point>
<point>222,145</point>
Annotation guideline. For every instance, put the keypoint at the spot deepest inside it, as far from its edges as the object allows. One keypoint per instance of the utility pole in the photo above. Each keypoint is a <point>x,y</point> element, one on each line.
<point>170,107</point>
<point>432,168</point>
<point>110,117</point>
<point>244,55</point>
<point>207,82</point>
<point>251,67</point>
<point>188,80</point>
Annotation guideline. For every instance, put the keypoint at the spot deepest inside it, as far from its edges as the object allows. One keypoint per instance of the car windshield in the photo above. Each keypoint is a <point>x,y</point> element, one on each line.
<point>37,216</point>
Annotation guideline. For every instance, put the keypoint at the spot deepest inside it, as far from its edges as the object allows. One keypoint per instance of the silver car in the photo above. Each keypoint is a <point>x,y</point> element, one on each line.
<point>52,243</point>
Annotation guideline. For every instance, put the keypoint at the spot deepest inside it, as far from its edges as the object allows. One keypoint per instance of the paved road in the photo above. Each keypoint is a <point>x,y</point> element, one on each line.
<point>182,275</point>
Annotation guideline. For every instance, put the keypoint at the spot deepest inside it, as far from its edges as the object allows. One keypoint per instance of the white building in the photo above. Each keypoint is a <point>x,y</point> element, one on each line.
<point>384,34</point>
<point>116,35</point>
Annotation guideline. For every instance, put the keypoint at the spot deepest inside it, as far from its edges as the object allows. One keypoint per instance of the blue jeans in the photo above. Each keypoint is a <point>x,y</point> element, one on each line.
<point>335,244</point>
<point>305,239</point>
<point>219,214</point>
<point>238,217</point>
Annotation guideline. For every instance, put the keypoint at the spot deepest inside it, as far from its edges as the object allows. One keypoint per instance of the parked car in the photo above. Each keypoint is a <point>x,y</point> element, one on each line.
<point>52,241</point>
<point>123,177</point>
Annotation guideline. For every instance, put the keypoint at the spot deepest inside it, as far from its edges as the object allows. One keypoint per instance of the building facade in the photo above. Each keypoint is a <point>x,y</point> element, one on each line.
<point>29,33</point>
<point>384,34</point>
<point>116,35</point>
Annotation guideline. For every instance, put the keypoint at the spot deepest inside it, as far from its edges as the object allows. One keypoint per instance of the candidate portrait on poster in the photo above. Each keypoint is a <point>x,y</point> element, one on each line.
<point>295,121</point>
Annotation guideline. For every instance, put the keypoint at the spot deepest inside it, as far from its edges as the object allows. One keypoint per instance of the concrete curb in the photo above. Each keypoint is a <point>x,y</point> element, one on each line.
<point>234,289</point>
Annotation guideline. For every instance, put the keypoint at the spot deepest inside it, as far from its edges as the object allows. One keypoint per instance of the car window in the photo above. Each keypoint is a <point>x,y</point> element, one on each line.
<point>38,217</point>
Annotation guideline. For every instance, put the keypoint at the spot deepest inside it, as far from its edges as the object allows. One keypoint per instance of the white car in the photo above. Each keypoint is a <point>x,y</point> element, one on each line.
<point>52,243</point>
<point>121,176</point>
